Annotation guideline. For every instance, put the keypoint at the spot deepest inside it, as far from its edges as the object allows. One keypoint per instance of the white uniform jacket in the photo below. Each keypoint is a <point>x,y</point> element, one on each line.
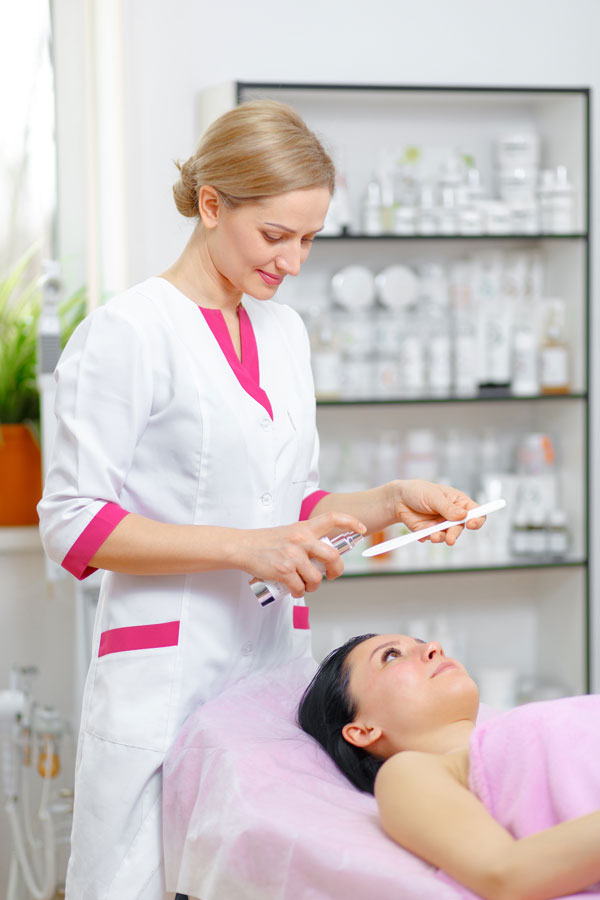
<point>157,416</point>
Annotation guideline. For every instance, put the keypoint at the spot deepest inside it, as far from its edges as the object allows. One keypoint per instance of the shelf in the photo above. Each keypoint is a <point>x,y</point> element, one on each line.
<point>525,564</point>
<point>572,236</point>
<point>543,600</point>
<point>483,397</point>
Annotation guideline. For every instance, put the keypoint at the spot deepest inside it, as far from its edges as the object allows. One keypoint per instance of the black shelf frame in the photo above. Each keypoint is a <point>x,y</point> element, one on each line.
<point>492,396</point>
<point>244,87</point>
<point>513,566</point>
<point>541,236</point>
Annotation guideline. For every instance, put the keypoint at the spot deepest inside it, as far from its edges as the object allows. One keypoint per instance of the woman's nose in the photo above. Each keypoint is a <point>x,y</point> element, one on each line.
<point>431,649</point>
<point>290,261</point>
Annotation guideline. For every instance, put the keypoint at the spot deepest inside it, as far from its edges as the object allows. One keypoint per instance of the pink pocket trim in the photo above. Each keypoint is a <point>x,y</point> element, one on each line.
<point>301,616</point>
<point>139,637</point>
<point>91,538</point>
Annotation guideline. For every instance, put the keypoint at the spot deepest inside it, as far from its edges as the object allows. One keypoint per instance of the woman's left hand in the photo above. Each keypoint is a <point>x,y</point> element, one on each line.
<point>420,504</point>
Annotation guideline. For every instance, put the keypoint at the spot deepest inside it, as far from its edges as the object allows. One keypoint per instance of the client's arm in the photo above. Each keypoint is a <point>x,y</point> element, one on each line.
<point>425,808</point>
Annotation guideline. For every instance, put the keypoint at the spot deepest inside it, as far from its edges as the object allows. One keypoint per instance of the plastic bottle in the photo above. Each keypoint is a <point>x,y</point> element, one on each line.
<point>464,333</point>
<point>386,363</point>
<point>326,358</point>
<point>371,208</point>
<point>495,309</point>
<point>558,534</point>
<point>435,327</point>
<point>554,352</point>
<point>411,354</point>
<point>524,380</point>
<point>420,459</point>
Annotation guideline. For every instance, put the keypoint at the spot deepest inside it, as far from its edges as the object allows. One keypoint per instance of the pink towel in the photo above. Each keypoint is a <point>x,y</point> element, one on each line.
<point>538,765</point>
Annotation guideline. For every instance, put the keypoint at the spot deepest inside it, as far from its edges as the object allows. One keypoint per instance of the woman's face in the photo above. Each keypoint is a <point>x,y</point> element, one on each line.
<point>405,690</point>
<point>256,245</point>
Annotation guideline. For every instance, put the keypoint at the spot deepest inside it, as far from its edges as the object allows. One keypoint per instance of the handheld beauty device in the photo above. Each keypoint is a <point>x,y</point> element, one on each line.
<point>268,591</point>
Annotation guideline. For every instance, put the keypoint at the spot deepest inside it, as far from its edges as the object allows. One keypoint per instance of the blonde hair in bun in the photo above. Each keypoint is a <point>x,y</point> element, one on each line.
<point>258,149</point>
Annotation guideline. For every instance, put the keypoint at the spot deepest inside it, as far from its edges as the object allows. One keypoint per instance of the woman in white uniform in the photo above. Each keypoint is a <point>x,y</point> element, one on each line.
<point>185,463</point>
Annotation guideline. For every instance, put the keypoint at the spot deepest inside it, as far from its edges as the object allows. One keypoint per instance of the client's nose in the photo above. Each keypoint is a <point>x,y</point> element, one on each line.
<point>433,648</point>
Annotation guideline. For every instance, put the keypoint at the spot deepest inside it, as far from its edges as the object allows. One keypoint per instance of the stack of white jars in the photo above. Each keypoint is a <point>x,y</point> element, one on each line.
<point>517,158</point>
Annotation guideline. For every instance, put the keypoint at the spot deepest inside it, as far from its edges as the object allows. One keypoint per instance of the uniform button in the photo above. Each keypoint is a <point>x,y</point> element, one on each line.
<point>266,424</point>
<point>247,648</point>
<point>266,498</point>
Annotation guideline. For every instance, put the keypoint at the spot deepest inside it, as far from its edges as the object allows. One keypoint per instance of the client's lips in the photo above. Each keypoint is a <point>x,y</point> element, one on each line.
<point>447,664</point>
<point>269,278</point>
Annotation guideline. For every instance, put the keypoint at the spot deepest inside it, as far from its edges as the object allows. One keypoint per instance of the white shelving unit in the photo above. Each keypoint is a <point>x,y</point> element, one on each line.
<point>531,616</point>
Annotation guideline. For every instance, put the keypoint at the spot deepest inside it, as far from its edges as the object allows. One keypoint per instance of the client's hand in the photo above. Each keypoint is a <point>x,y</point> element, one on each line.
<point>420,504</point>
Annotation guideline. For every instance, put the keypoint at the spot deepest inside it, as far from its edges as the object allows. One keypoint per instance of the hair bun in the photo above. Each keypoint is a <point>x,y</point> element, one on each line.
<point>184,190</point>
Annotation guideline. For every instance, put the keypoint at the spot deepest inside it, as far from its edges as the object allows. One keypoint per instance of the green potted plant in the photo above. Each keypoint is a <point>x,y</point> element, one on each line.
<point>20,460</point>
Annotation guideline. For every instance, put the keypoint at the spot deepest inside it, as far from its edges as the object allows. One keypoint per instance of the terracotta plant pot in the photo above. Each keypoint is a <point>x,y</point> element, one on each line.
<point>20,476</point>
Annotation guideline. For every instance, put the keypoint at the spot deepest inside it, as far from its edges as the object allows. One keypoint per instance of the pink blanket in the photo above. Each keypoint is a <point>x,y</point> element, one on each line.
<point>538,765</point>
<point>255,810</point>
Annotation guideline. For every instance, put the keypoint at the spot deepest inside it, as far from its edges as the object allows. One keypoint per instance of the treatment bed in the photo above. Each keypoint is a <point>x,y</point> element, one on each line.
<point>255,810</point>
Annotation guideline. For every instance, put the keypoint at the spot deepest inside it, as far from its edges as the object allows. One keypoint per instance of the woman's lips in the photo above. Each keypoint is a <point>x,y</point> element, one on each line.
<point>268,278</point>
<point>447,664</point>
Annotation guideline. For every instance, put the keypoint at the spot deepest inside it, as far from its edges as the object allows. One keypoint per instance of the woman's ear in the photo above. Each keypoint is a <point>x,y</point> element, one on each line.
<point>209,206</point>
<point>361,735</point>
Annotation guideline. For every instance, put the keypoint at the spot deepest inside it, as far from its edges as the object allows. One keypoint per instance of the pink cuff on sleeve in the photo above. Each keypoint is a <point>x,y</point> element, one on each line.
<point>309,503</point>
<point>91,538</point>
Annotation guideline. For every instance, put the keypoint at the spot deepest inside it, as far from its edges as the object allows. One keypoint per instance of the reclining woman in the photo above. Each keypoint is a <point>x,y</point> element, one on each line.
<point>510,807</point>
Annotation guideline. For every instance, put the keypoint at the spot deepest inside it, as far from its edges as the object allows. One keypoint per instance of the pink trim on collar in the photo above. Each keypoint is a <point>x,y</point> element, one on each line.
<point>247,371</point>
<point>93,535</point>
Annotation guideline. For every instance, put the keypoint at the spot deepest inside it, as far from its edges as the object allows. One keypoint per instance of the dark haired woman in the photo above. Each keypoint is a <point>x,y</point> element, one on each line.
<point>510,808</point>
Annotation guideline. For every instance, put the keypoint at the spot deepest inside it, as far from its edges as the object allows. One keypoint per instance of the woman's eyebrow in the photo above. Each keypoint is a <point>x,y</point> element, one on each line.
<point>277,225</point>
<point>290,230</point>
<point>391,644</point>
<point>381,646</point>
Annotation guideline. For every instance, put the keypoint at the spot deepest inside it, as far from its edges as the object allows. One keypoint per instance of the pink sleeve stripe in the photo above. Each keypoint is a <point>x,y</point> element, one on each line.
<point>309,503</point>
<point>91,538</point>
<point>301,616</point>
<point>139,637</point>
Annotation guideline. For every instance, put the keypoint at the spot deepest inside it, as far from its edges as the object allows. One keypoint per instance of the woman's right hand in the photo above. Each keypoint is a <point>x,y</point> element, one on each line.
<point>286,553</point>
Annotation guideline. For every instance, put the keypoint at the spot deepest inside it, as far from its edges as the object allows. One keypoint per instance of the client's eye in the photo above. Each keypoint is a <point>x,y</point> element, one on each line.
<point>390,653</point>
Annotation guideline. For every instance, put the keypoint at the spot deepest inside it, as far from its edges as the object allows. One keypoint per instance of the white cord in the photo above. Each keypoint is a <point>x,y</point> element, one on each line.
<point>46,890</point>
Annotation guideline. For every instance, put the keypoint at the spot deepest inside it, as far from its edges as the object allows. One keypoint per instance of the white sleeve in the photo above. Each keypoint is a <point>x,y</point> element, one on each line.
<point>103,401</point>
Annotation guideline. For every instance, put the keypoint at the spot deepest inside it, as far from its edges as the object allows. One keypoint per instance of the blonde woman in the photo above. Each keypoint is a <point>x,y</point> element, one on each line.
<point>185,463</point>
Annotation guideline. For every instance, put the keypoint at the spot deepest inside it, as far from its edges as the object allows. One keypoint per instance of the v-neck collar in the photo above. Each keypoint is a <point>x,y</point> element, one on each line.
<point>247,369</point>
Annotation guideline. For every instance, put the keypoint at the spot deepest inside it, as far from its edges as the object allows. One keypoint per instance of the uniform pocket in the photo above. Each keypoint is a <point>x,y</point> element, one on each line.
<point>133,685</point>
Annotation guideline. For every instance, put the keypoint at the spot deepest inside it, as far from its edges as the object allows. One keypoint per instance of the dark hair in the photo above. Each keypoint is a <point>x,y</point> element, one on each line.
<point>327,705</point>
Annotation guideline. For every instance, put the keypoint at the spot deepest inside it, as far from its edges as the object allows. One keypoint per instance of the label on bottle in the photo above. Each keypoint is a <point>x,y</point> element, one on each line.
<point>554,367</point>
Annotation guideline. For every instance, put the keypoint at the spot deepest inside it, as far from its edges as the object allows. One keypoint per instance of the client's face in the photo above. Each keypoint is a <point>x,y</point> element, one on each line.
<point>405,691</point>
